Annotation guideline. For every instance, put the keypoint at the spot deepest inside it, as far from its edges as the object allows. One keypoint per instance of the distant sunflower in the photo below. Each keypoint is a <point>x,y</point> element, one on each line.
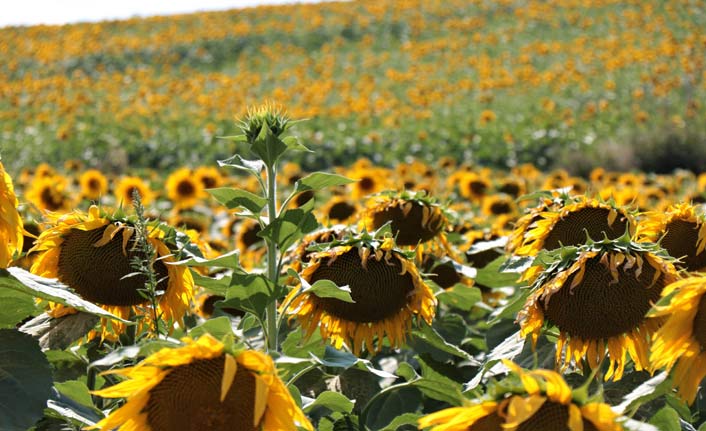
<point>369,181</point>
<point>94,185</point>
<point>598,297</point>
<point>339,209</point>
<point>385,285</point>
<point>11,238</point>
<point>209,177</point>
<point>183,189</point>
<point>680,344</point>
<point>498,204</point>
<point>681,230</point>
<point>203,385</point>
<point>49,194</point>
<point>544,402</point>
<point>252,247</point>
<point>127,186</point>
<point>91,253</point>
<point>473,186</point>
<point>512,186</point>
<point>577,220</point>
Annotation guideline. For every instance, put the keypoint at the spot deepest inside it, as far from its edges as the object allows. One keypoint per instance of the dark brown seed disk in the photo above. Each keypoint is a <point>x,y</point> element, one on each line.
<point>477,188</point>
<point>598,309</point>
<point>571,230</point>
<point>510,188</point>
<point>341,211</point>
<point>185,188</point>
<point>188,399</point>
<point>492,422</point>
<point>500,207</point>
<point>249,237</point>
<point>51,200</point>
<point>303,198</point>
<point>379,292</point>
<point>699,329</point>
<point>96,273</point>
<point>208,182</point>
<point>551,416</point>
<point>482,258</point>
<point>408,229</point>
<point>445,275</point>
<point>680,242</point>
<point>366,183</point>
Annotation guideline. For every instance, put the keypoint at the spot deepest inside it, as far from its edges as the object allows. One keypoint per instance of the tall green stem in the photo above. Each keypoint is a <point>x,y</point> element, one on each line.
<point>272,259</point>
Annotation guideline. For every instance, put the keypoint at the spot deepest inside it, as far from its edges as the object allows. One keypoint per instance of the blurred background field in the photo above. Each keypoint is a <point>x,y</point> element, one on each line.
<point>569,84</point>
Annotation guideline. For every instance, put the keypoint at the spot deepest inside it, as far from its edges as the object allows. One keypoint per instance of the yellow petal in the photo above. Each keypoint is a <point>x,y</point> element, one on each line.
<point>229,370</point>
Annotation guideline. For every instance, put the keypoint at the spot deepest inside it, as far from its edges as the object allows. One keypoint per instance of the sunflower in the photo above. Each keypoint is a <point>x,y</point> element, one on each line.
<point>93,184</point>
<point>209,177</point>
<point>512,186</point>
<point>183,189</point>
<point>339,209</point>
<point>369,180</point>
<point>127,186</point>
<point>384,283</point>
<point>680,344</point>
<point>681,230</point>
<point>11,238</point>
<point>498,204</point>
<point>49,194</point>
<point>91,253</point>
<point>203,385</point>
<point>252,247</point>
<point>473,186</point>
<point>543,402</point>
<point>414,218</point>
<point>598,296</point>
<point>578,219</point>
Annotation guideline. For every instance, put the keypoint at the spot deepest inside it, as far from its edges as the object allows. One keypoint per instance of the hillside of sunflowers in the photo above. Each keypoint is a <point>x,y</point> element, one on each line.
<point>357,216</point>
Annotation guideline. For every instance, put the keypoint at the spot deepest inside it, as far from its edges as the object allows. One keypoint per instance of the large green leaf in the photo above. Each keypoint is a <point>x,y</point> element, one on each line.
<point>236,198</point>
<point>425,336</point>
<point>328,289</point>
<point>25,381</point>
<point>226,260</point>
<point>290,226</point>
<point>16,306</point>
<point>334,401</point>
<point>492,276</point>
<point>320,180</point>
<point>50,289</point>
<point>460,296</point>
<point>666,419</point>
<point>252,166</point>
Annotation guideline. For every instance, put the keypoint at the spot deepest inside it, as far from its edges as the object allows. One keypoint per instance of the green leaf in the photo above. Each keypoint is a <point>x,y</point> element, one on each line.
<point>651,389</point>
<point>25,381</point>
<point>213,285</point>
<point>268,147</point>
<point>410,419</point>
<point>297,346</point>
<point>460,296</point>
<point>219,327</point>
<point>328,289</point>
<point>406,371</point>
<point>340,359</point>
<point>666,419</point>
<point>393,406</point>
<point>333,401</point>
<point>226,260</point>
<point>76,390</point>
<point>492,276</point>
<point>427,335</point>
<point>16,306</point>
<point>320,180</point>
<point>131,352</point>
<point>289,227</point>
<point>292,142</point>
<point>236,198</point>
<point>50,289</point>
<point>252,166</point>
<point>437,386</point>
<point>517,264</point>
<point>248,292</point>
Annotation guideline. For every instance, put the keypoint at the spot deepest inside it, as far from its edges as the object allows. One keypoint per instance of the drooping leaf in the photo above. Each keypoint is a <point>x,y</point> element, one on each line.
<point>236,198</point>
<point>50,289</point>
<point>460,296</point>
<point>16,306</point>
<point>425,334</point>
<point>25,381</point>
<point>252,166</point>
<point>329,289</point>
<point>226,260</point>
<point>320,180</point>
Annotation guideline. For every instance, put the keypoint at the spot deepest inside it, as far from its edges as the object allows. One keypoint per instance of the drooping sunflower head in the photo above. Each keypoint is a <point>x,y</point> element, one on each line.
<point>598,296</point>
<point>127,186</point>
<point>203,385</point>
<point>183,189</point>
<point>527,401</point>
<point>94,184</point>
<point>414,219</point>
<point>680,344</point>
<point>49,194</point>
<point>681,230</point>
<point>576,221</point>
<point>311,244</point>
<point>93,253</point>
<point>11,238</point>
<point>384,283</point>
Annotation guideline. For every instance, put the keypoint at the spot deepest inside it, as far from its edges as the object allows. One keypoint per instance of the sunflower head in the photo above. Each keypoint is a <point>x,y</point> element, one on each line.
<point>203,385</point>
<point>384,284</point>
<point>598,296</point>
<point>93,254</point>
<point>498,205</point>
<point>269,115</point>
<point>49,194</point>
<point>339,209</point>
<point>681,230</point>
<point>370,180</point>
<point>473,186</point>
<point>575,221</point>
<point>209,177</point>
<point>93,184</point>
<point>127,186</point>
<point>526,401</point>
<point>184,189</point>
<point>11,238</point>
<point>413,218</point>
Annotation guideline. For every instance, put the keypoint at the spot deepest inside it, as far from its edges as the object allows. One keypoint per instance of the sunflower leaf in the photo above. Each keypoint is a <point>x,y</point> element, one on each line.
<point>426,337</point>
<point>492,276</point>
<point>237,162</point>
<point>226,260</point>
<point>25,383</point>
<point>320,180</point>
<point>666,419</point>
<point>236,198</point>
<point>460,296</point>
<point>50,289</point>
<point>289,227</point>
<point>330,400</point>
<point>16,306</point>
<point>328,289</point>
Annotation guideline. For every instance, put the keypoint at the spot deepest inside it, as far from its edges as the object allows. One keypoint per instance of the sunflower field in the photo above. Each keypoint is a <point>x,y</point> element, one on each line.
<point>399,215</point>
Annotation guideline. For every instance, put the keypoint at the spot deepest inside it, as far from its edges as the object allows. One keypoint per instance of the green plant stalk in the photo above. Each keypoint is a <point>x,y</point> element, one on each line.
<point>271,310</point>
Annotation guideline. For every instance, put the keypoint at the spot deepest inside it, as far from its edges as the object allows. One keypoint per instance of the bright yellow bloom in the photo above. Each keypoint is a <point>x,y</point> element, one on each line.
<point>94,185</point>
<point>202,386</point>
<point>11,239</point>
<point>183,189</point>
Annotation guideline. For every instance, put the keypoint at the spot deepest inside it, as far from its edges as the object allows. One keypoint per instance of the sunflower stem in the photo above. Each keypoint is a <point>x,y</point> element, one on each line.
<point>271,311</point>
